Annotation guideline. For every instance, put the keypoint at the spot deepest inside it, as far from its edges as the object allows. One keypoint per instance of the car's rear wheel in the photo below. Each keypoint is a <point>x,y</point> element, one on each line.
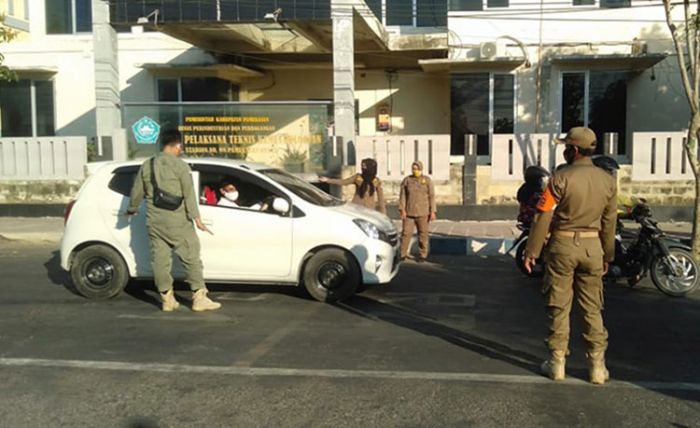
<point>99,272</point>
<point>331,275</point>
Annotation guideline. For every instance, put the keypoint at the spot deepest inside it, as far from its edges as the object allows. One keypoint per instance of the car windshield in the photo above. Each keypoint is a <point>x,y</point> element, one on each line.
<point>301,188</point>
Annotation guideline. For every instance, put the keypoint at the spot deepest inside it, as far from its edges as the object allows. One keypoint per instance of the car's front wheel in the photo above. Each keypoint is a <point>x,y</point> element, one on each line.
<point>99,272</point>
<point>331,275</point>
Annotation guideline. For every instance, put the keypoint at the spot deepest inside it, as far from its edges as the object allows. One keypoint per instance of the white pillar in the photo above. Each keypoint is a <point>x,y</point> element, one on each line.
<point>344,76</point>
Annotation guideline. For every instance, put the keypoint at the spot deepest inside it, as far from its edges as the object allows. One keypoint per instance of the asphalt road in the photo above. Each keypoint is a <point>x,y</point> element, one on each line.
<point>455,343</point>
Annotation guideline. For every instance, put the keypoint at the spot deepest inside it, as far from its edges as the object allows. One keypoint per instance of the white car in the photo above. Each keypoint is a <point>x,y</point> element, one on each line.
<point>302,237</point>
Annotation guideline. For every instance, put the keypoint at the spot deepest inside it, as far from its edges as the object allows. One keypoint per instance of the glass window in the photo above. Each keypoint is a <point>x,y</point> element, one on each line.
<point>606,92</point>
<point>503,103</point>
<point>399,12</point>
<point>83,16</point>
<point>59,17</point>
<point>168,90</point>
<point>607,111</point>
<point>497,3</point>
<point>469,98</point>
<point>584,2</point>
<point>376,6</point>
<point>431,13</point>
<point>458,5</point>
<point>206,89</point>
<point>123,180</point>
<point>44,108</point>
<point>615,3</point>
<point>481,104</point>
<point>16,109</point>
<point>573,98</point>
<point>301,188</point>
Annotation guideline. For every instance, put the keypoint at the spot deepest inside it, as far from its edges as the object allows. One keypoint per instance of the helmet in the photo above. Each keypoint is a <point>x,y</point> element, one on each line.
<point>534,174</point>
<point>607,163</point>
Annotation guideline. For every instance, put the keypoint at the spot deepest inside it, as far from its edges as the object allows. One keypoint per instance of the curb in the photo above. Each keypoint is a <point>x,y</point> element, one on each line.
<point>465,246</point>
<point>32,237</point>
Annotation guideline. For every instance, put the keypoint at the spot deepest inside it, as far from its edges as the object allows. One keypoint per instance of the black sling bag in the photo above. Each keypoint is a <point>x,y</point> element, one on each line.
<point>161,198</point>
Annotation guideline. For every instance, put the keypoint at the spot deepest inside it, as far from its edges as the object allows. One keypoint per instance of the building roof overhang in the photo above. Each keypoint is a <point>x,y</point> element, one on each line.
<point>470,65</point>
<point>231,72</point>
<point>623,62</point>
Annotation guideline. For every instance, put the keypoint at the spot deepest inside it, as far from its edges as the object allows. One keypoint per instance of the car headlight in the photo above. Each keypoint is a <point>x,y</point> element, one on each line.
<point>370,229</point>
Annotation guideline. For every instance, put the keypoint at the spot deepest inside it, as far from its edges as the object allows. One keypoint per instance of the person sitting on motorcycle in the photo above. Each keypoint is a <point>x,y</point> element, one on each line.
<point>530,192</point>
<point>625,203</point>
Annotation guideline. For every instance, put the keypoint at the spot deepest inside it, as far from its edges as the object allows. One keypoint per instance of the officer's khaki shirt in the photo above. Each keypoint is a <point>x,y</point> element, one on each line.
<point>369,201</point>
<point>579,197</point>
<point>172,175</point>
<point>417,196</point>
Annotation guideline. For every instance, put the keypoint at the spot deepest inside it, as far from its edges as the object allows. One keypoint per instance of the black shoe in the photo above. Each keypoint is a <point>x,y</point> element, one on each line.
<point>422,260</point>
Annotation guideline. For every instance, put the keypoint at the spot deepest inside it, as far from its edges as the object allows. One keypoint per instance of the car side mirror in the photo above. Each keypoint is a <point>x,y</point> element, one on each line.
<point>280,205</point>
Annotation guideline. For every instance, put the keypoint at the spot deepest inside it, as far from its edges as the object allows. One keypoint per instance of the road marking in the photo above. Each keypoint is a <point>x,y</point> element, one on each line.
<point>342,374</point>
<point>265,346</point>
<point>174,317</point>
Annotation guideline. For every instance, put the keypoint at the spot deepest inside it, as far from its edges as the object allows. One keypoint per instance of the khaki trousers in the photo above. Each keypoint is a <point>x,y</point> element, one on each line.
<point>407,232</point>
<point>185,243</point>
<point>574,267</point>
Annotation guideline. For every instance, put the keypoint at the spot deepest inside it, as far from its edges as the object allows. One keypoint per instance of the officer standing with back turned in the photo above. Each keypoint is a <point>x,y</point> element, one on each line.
<point>579,207</point>
<point>171,229</point>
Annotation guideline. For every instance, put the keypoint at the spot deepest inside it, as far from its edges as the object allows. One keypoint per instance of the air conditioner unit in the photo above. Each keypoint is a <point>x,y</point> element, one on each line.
<point>488,50</point>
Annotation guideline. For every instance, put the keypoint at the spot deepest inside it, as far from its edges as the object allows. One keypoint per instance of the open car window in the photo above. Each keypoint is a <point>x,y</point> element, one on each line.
<point>253,193</point>
<point>301,188</point>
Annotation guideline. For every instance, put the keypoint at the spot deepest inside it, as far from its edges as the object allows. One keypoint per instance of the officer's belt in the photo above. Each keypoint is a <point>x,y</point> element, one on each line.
<point>576,233</point>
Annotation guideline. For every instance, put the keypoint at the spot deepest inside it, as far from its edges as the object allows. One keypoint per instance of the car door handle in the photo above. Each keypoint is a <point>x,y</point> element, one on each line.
<point>115,213</point>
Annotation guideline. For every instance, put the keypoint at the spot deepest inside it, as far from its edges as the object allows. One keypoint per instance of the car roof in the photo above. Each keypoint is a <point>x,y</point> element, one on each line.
<point>94,166</point>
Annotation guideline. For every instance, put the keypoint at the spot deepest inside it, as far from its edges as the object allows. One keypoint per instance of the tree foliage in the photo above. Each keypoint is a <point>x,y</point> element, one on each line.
<point>685,31</point>
<point>6,35</point>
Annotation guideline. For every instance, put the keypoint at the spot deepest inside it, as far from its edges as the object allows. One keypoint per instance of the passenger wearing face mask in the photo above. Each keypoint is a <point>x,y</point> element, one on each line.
<point>229,197</point>
<point>368,187</point>
<point>416,206</point>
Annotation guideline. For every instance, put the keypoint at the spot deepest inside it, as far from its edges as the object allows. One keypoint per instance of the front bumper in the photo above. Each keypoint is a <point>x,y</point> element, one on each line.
<point>379,261</point>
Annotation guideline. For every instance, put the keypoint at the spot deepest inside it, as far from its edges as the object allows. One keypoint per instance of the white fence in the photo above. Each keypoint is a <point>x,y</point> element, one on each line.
<point>43,158</point>
<point>660,156</point>
<point>512,153</point>
<point>395,154</point>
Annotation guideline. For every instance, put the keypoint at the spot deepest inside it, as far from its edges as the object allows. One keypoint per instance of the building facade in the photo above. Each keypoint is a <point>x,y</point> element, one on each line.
<point>412,67</point>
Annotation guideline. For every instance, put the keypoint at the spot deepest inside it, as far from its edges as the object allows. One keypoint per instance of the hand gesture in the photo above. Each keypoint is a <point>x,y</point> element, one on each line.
<point>433,216</point>
<point>402,214</point>
<point>201,226</point>
<point>529,262</point>
<point>323,179</point>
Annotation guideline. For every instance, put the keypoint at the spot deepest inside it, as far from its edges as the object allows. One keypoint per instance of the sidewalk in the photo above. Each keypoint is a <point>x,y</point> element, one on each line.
<point>446,237</point>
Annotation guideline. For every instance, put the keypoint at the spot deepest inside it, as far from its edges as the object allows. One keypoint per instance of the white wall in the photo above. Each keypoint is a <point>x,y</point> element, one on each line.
<point>563,29</point>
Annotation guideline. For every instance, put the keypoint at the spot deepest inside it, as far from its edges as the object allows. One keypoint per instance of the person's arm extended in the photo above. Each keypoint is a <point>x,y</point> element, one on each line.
<point>341,181</point>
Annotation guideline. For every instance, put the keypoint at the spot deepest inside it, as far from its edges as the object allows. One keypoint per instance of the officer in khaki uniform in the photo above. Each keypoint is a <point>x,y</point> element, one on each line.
<point>368,187</point>
<point>578,210</point>
<point>170,231</point>
<point>416,205</point>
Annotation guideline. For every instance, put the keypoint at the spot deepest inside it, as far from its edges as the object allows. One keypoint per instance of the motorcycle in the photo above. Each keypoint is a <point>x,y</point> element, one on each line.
<point>646,251</point>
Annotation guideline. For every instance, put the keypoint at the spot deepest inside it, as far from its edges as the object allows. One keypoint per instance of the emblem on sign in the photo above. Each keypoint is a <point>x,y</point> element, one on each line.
<point>146,130</point>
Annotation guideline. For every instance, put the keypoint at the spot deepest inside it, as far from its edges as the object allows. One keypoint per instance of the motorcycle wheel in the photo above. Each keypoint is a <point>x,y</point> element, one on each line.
<point>537,271</point>
<point>679,276</point>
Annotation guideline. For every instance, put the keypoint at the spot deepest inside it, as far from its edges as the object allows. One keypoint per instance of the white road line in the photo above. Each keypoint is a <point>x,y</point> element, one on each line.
<point>349,374</point>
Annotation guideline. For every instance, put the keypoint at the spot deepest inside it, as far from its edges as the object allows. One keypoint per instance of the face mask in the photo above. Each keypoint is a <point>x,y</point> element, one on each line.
<point>231,196</point>
<point>417,173</point>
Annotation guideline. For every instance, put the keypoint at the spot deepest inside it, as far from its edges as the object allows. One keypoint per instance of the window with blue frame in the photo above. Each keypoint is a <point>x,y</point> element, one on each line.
<point>68,16</point>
